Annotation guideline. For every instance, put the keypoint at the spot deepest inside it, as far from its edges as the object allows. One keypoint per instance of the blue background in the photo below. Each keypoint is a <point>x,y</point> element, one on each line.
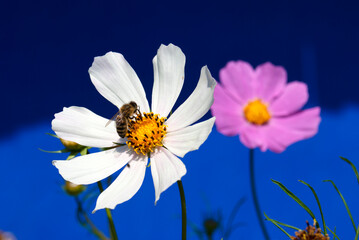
<point>46,48</point>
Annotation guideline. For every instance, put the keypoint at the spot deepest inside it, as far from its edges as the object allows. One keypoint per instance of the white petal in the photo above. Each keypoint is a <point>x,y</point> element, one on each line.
<point>168,67</point>
<point>94,167</point>
<point>196,105</point>
<point>188,139</point>
<point>115,79</point>
<point>166,169</point>
<point>84,127</point>
<point>125,185</point>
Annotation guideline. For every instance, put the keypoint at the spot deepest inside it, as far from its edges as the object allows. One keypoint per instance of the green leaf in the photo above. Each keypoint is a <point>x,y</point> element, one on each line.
<point>277,225</point>
<point>290,194</point>
<point>282,224</point>
<point>231,217</point>
<point>320,208</point>
<point>357,234</point>
<point>59,151</point>
<point>345,203</point>
<point>334,234</point>
<point>196,230</point>
<point>353,166</point>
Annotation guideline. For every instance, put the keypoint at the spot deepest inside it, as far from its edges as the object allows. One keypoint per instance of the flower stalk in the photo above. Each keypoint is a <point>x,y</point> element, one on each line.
<point>254,194</point>
<point>184,210</point>
<point>109,216</point>
<point>92,226</point>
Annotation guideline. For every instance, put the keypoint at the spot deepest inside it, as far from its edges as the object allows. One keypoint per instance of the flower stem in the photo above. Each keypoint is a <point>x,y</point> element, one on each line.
<point>109,217</point>
<point>184,213</point>
<point>92,226</point>
<point>254,194</point>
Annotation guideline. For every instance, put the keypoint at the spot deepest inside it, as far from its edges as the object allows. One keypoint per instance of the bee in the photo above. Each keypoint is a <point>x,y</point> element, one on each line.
<point>123,117</point>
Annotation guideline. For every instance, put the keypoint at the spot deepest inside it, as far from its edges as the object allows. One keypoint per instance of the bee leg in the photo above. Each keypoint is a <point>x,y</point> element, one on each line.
<point>138,112</point>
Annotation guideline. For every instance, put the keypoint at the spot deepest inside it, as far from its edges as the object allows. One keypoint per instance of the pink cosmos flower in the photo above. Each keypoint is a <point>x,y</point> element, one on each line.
<point>262,108</point>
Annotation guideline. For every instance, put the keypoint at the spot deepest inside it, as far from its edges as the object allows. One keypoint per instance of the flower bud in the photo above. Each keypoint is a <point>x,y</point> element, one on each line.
<point>72,146</point>
<point>73,189</point>
<point>311,232</point>
<point>210,225</point>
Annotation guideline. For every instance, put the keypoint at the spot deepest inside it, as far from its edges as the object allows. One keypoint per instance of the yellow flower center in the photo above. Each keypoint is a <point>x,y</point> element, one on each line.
<point>145,132</point>
<point>256,112</point>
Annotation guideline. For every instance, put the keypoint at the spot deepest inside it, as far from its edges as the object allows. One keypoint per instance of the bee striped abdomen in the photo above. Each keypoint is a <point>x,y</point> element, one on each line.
<point>121,126</point>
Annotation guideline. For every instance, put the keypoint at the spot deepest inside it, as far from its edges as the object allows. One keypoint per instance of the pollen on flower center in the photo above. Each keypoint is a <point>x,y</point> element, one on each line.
<point>145,132</point>
<point>256,112</point>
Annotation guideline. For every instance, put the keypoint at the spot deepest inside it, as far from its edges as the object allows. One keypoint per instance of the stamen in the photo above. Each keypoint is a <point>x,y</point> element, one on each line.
<point>146,132</point>
<point>256,112</point>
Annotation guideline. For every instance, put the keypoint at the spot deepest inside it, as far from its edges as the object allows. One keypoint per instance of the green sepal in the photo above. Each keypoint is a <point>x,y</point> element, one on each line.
<point>84,151</point>
<point>72,155</point>
<point>52,135</point>
<point>65,150</point>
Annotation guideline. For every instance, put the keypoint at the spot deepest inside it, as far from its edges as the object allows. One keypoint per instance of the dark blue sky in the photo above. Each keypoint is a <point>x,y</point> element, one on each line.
<point>46,48</point>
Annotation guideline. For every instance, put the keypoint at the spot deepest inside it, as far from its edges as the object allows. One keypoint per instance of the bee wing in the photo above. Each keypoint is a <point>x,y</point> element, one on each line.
<point>113,118</point>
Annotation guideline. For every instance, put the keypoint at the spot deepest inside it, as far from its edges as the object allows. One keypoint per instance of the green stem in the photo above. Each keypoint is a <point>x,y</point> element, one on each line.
<point>184,214</point>
<point>254,194</point>
<point>109,216</point>
<point>93,227</point>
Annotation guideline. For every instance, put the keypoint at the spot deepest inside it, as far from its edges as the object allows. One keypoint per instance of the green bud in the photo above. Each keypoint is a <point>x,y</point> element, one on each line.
<point>72,146</point>
<point>210,225</point>
<point>73,189</point>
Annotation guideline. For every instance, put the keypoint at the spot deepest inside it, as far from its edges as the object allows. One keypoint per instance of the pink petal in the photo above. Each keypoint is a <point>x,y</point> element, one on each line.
<point>237,77</point>
<point>282,132</point>
<point>270,81</point>
<point>251,136</point>
<point>293,98</point>
<point>227,112</point>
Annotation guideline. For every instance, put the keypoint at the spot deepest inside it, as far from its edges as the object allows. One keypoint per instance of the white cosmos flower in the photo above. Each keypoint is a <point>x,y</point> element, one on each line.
<point>164,139</point>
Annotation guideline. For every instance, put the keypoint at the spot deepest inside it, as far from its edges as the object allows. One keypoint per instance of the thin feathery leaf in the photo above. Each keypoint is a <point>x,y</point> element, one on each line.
<point>233,227</point>
<point>233,214</point>
<point>345,204</point>
<point>282,224</point>
<point>196,230</point>
<point>290,194</point>
<point>320,208</point>
<point>353,166</point>
<point>277,225</point>
<point>334,233</point>
<point>357,234</point>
